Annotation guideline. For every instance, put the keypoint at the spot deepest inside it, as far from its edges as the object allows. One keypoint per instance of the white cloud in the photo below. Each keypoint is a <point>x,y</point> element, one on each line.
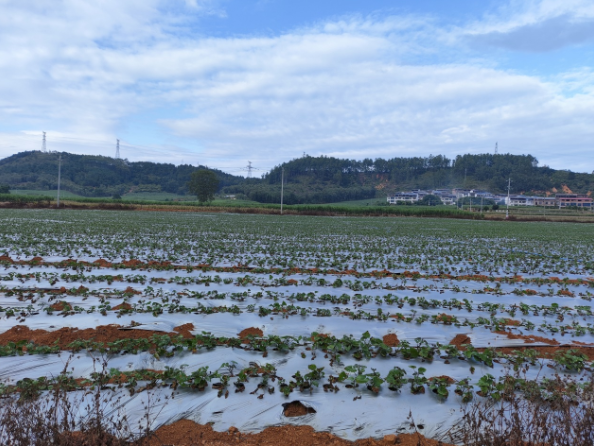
<point>536,25</point>
<point>352,87</point>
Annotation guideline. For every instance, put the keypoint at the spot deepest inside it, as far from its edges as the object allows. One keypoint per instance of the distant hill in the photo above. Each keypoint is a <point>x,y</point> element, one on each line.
<point>325,179</point>
<point>97,176</point>
<point>307,179</point>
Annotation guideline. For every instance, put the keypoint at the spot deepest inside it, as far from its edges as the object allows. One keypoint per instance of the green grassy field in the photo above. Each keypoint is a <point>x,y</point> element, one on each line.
<point>157,196</point>
<point>359,203</point>
<point>45,193</point>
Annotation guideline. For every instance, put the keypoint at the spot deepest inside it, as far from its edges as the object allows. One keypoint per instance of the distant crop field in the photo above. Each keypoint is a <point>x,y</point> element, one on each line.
<point>45,193</point>
<point>251,320</point>
<point>157,196</point>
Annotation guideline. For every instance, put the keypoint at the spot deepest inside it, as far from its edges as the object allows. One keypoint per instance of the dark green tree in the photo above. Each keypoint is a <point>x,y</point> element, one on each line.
<point>430,200</point>
<point>4,189</point>
<point>203,183</point>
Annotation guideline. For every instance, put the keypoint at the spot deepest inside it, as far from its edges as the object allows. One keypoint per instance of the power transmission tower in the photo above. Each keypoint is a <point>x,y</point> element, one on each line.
<point>495,148</point>
<point>249,169</point>
<point>43,144</point>
<point>117,149</point>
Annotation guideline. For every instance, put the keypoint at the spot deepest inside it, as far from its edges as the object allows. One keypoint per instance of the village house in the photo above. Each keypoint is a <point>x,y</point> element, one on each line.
<point>577,200</point>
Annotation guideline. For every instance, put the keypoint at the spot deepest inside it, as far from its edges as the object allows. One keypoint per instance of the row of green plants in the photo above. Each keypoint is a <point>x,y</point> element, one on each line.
<point>284,310</point>
<point>225,380</point>
<point>310,297</point>
<point>365,347</point>
<point>257,276</point>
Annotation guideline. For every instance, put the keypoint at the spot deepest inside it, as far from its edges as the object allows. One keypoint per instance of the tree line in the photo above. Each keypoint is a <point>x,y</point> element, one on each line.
<point>98,176</point>
<point>308,179</point>
<point>327,179</point>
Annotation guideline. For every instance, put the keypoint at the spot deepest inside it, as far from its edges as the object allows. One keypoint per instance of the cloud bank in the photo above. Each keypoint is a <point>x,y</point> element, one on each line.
<point>372,86</point>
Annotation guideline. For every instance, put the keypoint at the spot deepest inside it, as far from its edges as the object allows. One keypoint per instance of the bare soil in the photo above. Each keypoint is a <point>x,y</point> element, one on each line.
<point>391,340</point>
<point>188,433</point>
<point>459,340</point>
<point>64,336</point>
<point>297,409</point>
<point>59,306</point>
<point>448,379</point>
<point>253,331</point>
<point>528,338</point>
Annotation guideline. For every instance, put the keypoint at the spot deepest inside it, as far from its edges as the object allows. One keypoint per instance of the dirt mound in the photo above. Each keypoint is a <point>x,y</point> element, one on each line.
<point>123,306</point>
<point>528,338</point>
<point>448,379</point>
<point>391,340</point>
<point>61,306</point>
<point>512,322</point>
<point>188,433</point>
<point>6,259</point>
<point>250,331</point>
<point>64,336</point>
<point>102,262</point>
<point>460,339</point>
<point>185,330</point>
<point>296,409</point>
<point>547,352</point>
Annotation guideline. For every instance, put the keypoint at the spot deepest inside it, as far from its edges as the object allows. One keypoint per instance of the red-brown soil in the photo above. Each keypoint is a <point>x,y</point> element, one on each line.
<point>459,340</point>
<point>188,433</point>
<point>296,409</point>
<point>123,306</point>
<point>185,330</point>
<point>512,322</point>
<point>543,352</point>
<point>528,338</point>
<point>391,340</point>
<point>243,334</point>
<point>449,379</point>
<point>547,352</point>
<point>59,306</point>
<point>64,336</point>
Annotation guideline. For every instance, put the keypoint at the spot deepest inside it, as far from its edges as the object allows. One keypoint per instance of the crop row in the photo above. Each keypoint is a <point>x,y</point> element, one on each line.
<point>497,324</point>
<point>257,274</point>
<point>366,347</point>
<point>355,376</point>
<point>334,299</point>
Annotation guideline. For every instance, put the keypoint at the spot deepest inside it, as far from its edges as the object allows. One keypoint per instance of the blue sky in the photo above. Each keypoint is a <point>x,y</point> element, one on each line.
<point>224,82</point>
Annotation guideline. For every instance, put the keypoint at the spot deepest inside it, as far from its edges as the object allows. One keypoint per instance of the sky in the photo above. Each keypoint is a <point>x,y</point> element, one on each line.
<point>226,82</point>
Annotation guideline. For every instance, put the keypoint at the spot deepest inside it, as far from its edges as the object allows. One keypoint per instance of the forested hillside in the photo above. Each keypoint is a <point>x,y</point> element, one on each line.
<point>307,179</point>
<point>324,179</point>
<point>97,176</point>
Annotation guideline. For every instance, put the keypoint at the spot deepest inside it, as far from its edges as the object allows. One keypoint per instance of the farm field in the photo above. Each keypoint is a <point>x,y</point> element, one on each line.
<point>46,193</point>
<point>349,325</point>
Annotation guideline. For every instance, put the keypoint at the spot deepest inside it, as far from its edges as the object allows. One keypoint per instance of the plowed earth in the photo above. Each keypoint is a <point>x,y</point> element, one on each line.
<point>65,336</point>
<point>188,433</point>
